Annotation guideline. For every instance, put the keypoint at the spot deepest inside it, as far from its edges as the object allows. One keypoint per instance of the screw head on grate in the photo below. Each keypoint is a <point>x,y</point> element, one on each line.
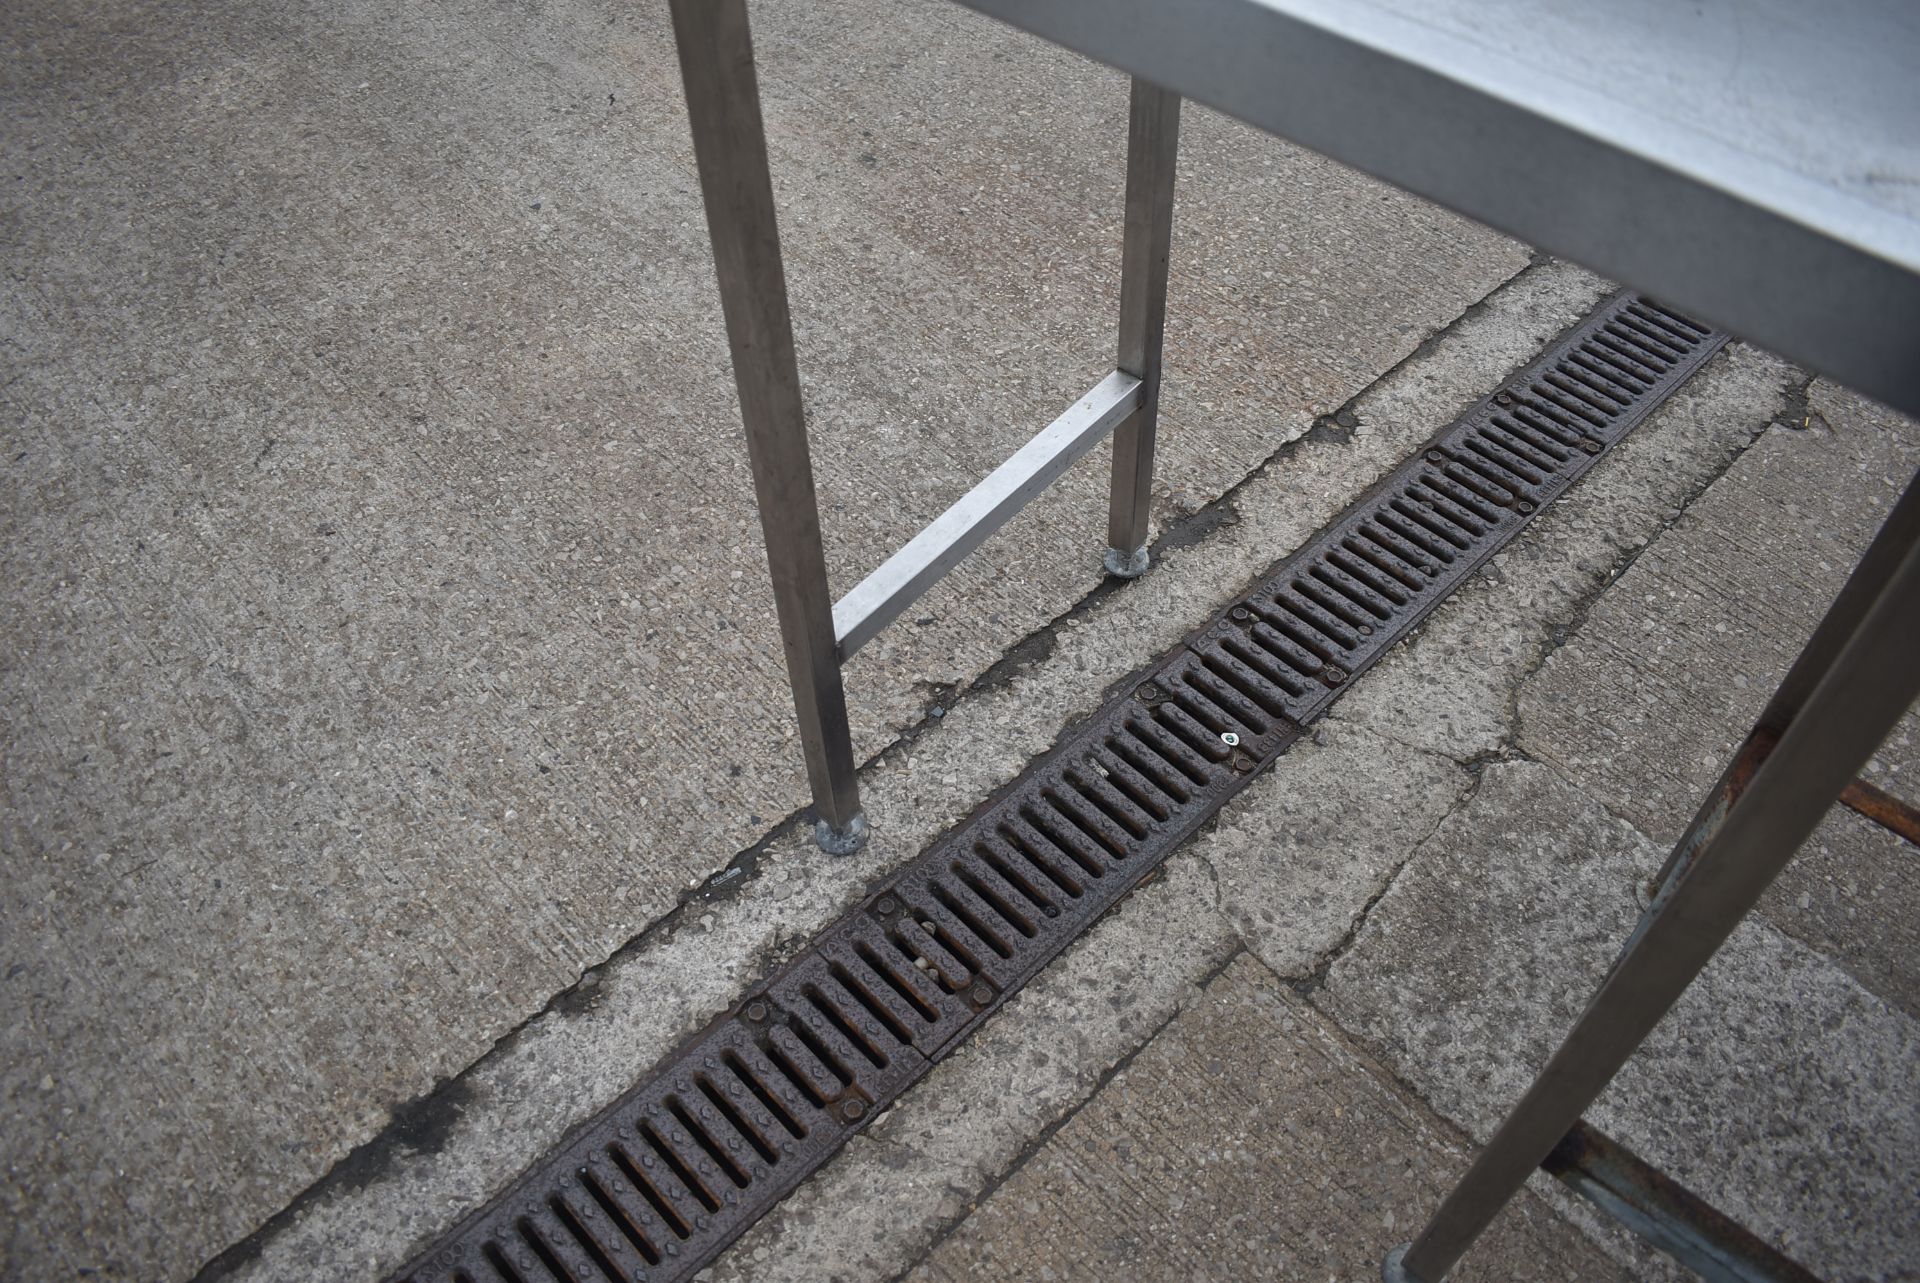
<point>853,1110</point>
<point>1525,505</point>
<point>1240,614</point>
<point>887,904</point>
<point>756,1012</point>
<point>1504,398</point>
<point>982,994</point>
<point>1149,692</point>
<point>1333,676</point>
<point>1590,445</point>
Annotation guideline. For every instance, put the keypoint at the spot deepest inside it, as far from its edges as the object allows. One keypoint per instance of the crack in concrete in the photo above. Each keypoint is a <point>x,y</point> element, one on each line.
<point>1315,979</point>
<point>1039,1142</point>
<point>1583,605</point>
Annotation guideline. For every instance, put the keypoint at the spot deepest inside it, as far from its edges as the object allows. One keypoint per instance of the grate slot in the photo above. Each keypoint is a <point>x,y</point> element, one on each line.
<point>710,1137</point>
<point>1501,433</point>
<point>875,997</point>
<point>1434,522</point>
<point>1698,332</point>
<point>1410,563</point>
<point>1030,845</point>
<point>1146,794</point>
<point>936,943</point>
<point>1379,581</point>
<point>1472,504</point>
<point>1034,890</point>
<point>1098,836</point>
<point>1344,585</point>
<point>1543,445</point>
<point>797,1061</point>
<point>543,1238</point>
<point>987,887</point>
<point>1624,387</point>
<point>599,1236</point>
<point>692,1154</point>
<point>663,1172</point>
<point>905,983</point>
<point>1611,399</point>
<point>1494,481</point>
<point>686,1168</point>
<point>1282,675</point>
<point>1584,395</point>
<point>1629,374</point>
<point>501,1266</point>
<point>1235,711</point>
<point>756,1077</point>
<point>622,1214</point>
<point>1650,353</point>
<point>834,1036</point>
<point>643,1184</point>
<point>1269,696</point>
<point>1679,337</point>
<point>951,899</point>
<point>1164,755</point>
<point>1318,621</point>
<point>1290,637</point>
<point>1523,474</point>
<point>1437,536</point>
<point>1114,804</point>
<point>1066,839</point>
<point>1204,743</point>
<point>1629,356</point>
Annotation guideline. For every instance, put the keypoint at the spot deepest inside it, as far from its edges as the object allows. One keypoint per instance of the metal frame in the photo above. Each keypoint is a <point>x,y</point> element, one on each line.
<point>1850,685</point>
<point>818,634</point>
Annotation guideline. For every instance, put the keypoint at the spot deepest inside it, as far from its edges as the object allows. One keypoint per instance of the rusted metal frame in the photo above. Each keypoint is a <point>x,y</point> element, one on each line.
<point>1849,687</point>
<point>1896,816</point>
<point>1666,1213</point>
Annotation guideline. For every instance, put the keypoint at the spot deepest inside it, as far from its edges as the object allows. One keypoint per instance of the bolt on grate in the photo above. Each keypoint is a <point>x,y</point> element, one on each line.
<point>659,1182</point>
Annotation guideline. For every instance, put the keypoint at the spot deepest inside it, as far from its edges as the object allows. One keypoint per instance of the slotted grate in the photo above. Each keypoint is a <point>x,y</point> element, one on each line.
<point>657,1184</point>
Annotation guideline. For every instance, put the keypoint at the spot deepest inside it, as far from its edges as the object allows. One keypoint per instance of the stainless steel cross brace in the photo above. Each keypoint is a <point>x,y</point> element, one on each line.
<point>818,633</point>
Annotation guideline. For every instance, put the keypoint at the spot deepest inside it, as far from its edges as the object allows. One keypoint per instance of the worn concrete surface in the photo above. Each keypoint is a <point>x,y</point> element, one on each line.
<point>569,1061</point>
<point>1778,1089</point>
<point>1669,670</point>
<point>371,667</point>
<point>1248,1140</point>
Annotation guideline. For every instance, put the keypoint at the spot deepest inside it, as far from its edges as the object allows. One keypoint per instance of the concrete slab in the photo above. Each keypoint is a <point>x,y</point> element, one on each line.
<point>1779,1089</point>
<point>373,1212</point>
<point>1663,678</point>
<point>373,669</point>
<point>1248,1140</point>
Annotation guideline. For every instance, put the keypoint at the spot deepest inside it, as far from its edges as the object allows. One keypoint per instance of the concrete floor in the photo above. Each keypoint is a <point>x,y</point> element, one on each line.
<point>372,672</point>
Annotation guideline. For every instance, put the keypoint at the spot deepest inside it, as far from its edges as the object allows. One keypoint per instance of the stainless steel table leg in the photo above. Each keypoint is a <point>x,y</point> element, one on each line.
<point>730,146</point>
<point>1153,144</point>
<point>1844,694</point>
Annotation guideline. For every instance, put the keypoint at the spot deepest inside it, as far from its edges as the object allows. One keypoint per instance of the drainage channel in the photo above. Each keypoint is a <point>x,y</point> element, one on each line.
<point>657,1184</point>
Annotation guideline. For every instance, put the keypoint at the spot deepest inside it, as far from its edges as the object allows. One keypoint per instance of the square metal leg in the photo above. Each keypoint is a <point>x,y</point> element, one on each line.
<point>730,146</point>
<point>1851,684</point>
<point>1153,145</point>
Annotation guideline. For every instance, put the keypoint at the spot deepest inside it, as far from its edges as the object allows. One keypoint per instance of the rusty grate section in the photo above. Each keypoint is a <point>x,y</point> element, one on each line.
<point>658,1183</point>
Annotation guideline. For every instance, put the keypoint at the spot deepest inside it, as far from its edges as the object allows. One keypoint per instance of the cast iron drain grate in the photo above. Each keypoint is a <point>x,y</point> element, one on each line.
<point>658,1183</point>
